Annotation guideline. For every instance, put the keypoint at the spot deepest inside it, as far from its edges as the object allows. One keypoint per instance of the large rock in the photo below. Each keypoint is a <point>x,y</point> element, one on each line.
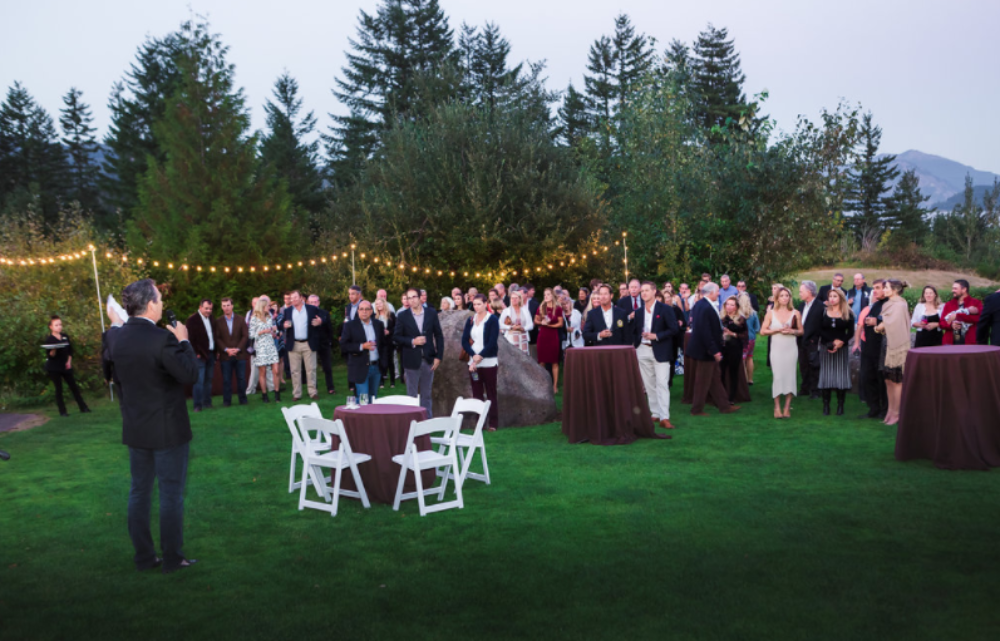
<point>523,386</point>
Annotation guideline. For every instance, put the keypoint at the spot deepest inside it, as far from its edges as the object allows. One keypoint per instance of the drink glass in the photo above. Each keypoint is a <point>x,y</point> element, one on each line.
<point>352,402</point>
<point>364,399</point>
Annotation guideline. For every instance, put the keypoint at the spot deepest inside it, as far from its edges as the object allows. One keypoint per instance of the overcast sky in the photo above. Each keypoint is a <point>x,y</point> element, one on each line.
<point>928,69</point>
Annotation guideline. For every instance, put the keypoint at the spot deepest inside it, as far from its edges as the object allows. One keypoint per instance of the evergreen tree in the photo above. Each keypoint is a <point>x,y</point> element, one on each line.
<point>970,226</point>
<point>399,53</point>
<point>137,102</point>
<point>284,146</point>
<point>81,147</point>
<point>32,162</point>
<point>633,57</point>
<point>717,78</point>
<point>491,79</point>
<point>574,119</point>
<point>210,201</point>
<point>906,212</point>
<point>870,180</point>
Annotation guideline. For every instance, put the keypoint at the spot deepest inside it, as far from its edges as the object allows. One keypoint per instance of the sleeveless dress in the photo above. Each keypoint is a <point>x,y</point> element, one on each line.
<point>548,338</point>
<point>265,351</point>
<point>784,359</point>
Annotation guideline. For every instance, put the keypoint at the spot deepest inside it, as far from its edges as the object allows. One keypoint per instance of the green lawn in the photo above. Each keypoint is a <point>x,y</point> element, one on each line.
<point>741,527</point>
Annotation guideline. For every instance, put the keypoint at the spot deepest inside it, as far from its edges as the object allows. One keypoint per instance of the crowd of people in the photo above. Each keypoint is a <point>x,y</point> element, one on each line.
<point>711,329</point>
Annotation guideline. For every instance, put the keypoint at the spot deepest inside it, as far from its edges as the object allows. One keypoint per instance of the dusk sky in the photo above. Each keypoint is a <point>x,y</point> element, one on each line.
<point>923,67</point>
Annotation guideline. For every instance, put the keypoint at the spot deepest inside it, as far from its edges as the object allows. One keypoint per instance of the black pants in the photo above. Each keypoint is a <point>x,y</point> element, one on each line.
<point>389,370</point>
<point>57,378</point>
<point>675,354</point>
<point>732,360</point>
<point>169,467</point>
<point>872,384</point>
<point>326,362</point>
<point>809,366</point>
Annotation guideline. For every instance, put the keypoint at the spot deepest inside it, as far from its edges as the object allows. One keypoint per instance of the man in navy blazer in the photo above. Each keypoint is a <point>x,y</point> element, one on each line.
<point>632,301</point>
<point>420,341</point>
<point>655,327</point>
<point>608,324</point>
<point>367,348</point>
<point>705,350</point>
<point>303,333</point>
<point>154,365</point>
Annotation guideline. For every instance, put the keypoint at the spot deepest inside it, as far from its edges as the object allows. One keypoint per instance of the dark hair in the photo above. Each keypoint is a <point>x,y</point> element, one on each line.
<point>294,291</point>
<point>647,282</point>
<point>604,286</point>
<point>964,283</point>
<point>53,319</point>
<point>411,289</point>
<point>226,299</point>
<point>481,297</point>
<point>529,287</point>
<point>201,302</point>
<point>137,296</point>
<point>354,288</point>
<point>878,281</point>
<point>584,290</point>
<point>898,285</point>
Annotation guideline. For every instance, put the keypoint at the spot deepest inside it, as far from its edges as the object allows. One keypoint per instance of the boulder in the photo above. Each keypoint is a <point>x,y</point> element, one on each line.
<point>524,387</point>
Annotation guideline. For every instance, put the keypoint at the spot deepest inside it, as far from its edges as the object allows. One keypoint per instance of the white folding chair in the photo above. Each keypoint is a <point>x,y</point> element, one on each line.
<point>468,444</point>
<point>301,441</point>
<point>413,401</point>
<point>412,460</point>
<point>337,459</point>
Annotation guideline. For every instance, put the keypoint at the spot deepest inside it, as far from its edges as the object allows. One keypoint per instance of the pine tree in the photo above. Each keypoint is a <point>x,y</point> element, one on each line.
<point>970,225</point>
<point>284,146</point>
<point>398,54</point>
<point>717,79</point>
<point>81,147</point>
<point>633,57</point>
<point>491,79</point>
<point>210,201</point>
<point>906,213</point>
<point>870,180</point>
<point>574,119</point>
<point>137,102</point>
<point>32,162</point>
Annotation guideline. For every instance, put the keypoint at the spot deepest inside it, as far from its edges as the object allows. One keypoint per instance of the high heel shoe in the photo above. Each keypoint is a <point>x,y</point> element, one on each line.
<point>264,398</point>
<point>277,396</point>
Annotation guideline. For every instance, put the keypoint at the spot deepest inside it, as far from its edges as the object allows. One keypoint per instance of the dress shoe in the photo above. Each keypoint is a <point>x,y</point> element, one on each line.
<point>185,563</point>
<point>666,424</point>
<point>157,562</point>
<point>314,397</point>
<point>700,414</point>
<point>197,409</point>
<point>85,410</point>
<point>227,404</point>
<point>734,408</point>
<point>296,399</point>
<point>63,413</point>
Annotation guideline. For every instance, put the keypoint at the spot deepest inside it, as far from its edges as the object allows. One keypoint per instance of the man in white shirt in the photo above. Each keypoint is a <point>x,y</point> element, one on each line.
<point>655,329</point>
<point>302,338</point>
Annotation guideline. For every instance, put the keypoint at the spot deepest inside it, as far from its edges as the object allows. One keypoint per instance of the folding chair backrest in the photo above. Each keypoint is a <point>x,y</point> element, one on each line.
<point>472,406</point>
<point>329,429</point>
<point>447,425</point>
<point>412,401</point>
<point>293,416</point>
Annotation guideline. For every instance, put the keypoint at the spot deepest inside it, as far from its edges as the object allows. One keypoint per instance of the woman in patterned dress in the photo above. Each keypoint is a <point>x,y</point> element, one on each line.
<point>262,328</point>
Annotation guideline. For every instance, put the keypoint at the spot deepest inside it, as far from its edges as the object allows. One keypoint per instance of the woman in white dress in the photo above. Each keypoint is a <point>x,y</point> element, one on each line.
<point>516,322</point>
<point>574,333</point>
<point>262,328</point>
<point>783,324</point>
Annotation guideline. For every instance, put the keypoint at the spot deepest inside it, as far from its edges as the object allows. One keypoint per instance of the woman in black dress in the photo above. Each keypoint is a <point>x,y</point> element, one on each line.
<point>835,336</point>
<point>59,366</point>
<point>734,334</point>
<point>927,319</point>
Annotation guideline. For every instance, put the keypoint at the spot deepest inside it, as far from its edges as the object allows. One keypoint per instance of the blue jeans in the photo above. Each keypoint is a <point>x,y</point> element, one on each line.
<point>201,393</point>
<point>170,467</point>
<point>370,386</point>
<point>227,380</point>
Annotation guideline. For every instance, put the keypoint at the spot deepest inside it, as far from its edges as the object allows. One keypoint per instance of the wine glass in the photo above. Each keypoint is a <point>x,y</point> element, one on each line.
<point>364,399</point>
<point>352,402</point>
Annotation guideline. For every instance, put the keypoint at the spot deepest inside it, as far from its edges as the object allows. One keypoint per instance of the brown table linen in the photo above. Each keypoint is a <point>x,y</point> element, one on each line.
<point>950,412</point>
<point>381,431</point>
<point>604,401</point>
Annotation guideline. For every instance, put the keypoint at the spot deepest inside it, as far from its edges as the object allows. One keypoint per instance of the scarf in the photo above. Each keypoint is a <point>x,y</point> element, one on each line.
<point>896,319</point>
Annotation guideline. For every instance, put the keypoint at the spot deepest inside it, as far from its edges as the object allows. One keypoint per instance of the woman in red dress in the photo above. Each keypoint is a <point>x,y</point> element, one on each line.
<point>548,320</point>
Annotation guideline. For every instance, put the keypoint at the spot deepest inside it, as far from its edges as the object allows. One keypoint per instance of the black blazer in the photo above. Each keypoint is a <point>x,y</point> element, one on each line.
<point>358,359</point>
<point>621,329</point>
<point>533,306</point>
<point>199,337</point>
<point>664,326</point>
<point>153,368</point>
<point>406,331</point>
<point>108,340</point>
<point>812,325</point>
<point>313,332</point>
<point>626,303</point>
<point>325,330</point>
<point>347,317</point>
<point>706,332</point>
<point>989,321</point>
<point>491,333</point>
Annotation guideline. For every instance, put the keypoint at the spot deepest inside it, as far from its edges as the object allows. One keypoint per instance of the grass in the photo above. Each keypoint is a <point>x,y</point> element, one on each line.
<point>740,527</point>
<point>942,280</point>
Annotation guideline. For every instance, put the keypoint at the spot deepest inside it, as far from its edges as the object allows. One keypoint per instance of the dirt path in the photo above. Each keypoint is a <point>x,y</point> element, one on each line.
<point>18,422</point>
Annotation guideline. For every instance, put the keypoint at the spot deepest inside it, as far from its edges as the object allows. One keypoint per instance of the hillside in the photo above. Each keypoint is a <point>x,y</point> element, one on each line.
<point>941,178</point>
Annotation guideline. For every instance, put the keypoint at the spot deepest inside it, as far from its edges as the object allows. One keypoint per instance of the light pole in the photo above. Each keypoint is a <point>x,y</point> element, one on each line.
<point>625,246</point>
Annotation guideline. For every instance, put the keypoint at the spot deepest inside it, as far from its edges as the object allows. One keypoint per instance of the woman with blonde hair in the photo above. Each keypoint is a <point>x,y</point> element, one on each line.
<point>753,328</point>
<point>734,334</point>
<point>263,329</point>
<point>388,318</point>
<point>515,322</point>
<point>927,319</point>
<point>782,325</point>
<point>895,327</point>
<point>834,357</point>
<point>549,319</point>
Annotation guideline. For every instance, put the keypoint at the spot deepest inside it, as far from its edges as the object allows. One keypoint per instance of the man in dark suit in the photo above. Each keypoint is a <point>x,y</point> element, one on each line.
<point>154,365</point>
<point>631,302</point>
<point>655,330</point>
<point>420,341</point>
<point>859,296</point>
<point>350,313</point>
<point>705,350</point>
<point>200,327</point>
<point>326,337</point>
<point>989,321</point>
<point>871,381</point>
<point>367,349</point>
<point>608,324</point>
<point>301,326</point>
<point>811,309</point>
<point>824,291</point>
<point>231,336</point>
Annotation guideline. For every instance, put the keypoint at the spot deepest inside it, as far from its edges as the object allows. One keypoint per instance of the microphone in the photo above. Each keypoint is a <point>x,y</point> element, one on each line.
<point>171,317</point>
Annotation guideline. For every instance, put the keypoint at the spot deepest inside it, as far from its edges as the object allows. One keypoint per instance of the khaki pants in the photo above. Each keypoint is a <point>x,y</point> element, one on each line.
<point>299,354</point>
<point>655,378</point>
